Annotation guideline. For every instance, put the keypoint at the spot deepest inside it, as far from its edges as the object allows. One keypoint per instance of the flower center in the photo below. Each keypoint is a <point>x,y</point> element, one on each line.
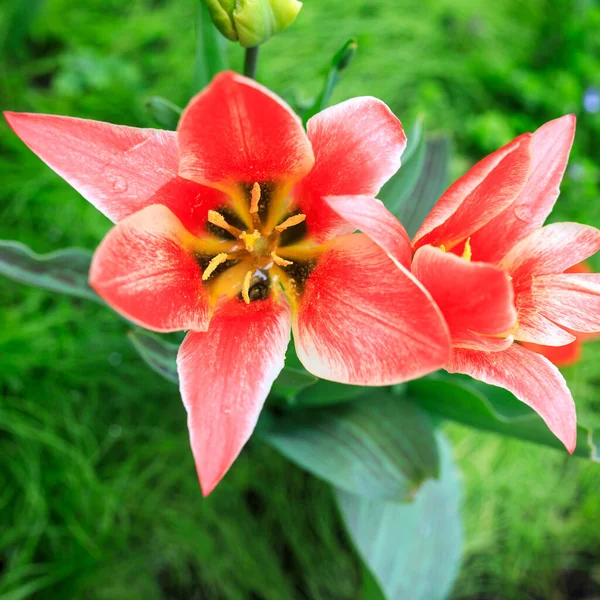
<point>258,244</point>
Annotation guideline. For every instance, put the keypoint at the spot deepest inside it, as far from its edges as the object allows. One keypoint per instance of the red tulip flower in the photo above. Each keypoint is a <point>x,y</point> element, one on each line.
<point>222,229</point>
<point>498,276</point>
<point>569,354</point>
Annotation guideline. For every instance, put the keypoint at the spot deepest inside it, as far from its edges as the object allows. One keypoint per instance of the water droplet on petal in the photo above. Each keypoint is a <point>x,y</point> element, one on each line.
<point>523,212</point>
<point>119,184</point>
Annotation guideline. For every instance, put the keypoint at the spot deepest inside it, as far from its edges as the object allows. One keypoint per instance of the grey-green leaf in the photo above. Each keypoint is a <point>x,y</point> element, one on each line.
<point>211,57</point>
<point>380,446</point>
<point>164,112</point>
<point>64,271</point>
<point>160,355</point>
<point>413,550</point>
<point>493,409</point>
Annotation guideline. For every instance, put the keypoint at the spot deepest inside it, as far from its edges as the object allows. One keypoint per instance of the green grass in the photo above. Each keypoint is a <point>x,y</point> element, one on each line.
<point>98,494</point>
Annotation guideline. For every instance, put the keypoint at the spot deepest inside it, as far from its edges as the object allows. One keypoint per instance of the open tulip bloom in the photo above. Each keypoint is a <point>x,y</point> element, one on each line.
<point>241,227</point>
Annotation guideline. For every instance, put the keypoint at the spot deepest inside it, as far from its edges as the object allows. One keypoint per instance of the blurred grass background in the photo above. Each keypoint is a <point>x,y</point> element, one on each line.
<point>98,493</point>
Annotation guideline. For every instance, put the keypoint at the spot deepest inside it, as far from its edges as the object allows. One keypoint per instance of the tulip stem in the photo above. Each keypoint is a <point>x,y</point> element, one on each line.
<point>251,61</point>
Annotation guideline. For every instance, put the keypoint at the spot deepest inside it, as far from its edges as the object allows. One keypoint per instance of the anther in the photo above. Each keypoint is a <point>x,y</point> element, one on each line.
<point>217,219</point>
<point>442,248</point>
<point>246,287</point>
<point>467,253</point>
<point>254,198</point>
<point>280,261</point>
<point>219,259</point>
<point>290,222</point>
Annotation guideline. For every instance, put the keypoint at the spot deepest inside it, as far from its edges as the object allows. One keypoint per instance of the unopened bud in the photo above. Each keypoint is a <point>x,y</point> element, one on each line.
<point>252,22</point>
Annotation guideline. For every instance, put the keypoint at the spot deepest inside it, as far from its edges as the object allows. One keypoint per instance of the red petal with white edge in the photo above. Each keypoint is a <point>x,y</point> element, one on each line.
<point>536,328</point>
<point>357,145</point>
<point>550,147</point>
<point>225,376</point>
<point>551,250</point>
<point>571,300</point>
<point>238,131</point>
<point>118,169</point>
<point>375,220</point>
<point>145,269</point>
<point>532,378</point>
<point>475,298</point>
<point>478,196</point>
<point>561,356</point>
<point>361,319</point>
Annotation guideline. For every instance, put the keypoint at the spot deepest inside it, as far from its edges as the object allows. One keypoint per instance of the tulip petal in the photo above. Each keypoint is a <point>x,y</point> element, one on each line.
<point>372,218</point>
<point>532,378</point>
<point>536,328</point>
<point>146,270</point>
<point>475,298</point>
<point>478,196</point>
<point>357,146</point>
<point>361,319</point>
<point>226,374</point>
<point>118,169</point>
<point>237,131</point>
<point>561,356</point>
<point>550,148</point>
<point>551,250</point>
<point>570,300</point>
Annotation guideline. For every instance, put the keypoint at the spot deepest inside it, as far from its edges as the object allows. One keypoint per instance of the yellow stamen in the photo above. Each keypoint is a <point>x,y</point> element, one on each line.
<point>250,239</point>
<point>442,248</point>
<point>219,220</point>
<point>280,261</point>
<point>254,198</point>
<point>246,287</point>
<point>219,259</point>
<point>467,253</point>
<point>290,222</point>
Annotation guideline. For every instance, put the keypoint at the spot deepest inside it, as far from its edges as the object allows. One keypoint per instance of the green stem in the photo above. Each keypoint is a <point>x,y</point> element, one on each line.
<point>251,61</point>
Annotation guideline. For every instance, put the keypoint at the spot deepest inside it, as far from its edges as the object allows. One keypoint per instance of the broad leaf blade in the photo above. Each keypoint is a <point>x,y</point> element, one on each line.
<point>380,446</point>
<point>494,409</point>
<point>161,356</point>
<point>64,271</point>
<point>164,112</point>
<point>413,550</point>
<point>211,57</point>
<point>398,189</point>
<point>416,204</point>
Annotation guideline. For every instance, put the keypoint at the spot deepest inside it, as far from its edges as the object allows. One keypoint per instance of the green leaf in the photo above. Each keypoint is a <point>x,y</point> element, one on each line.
<point>160,355</point>
<point>211,57</point>
<point>417,186</point>
<point>396,192</point>
<point>496,410</point>
<point>64,271</point>
<point>380,446</point>
<point>325,392</point>
<point>291,382</point>
<point>164,112</point>
<point>340,62</point>
<point>413,550</point>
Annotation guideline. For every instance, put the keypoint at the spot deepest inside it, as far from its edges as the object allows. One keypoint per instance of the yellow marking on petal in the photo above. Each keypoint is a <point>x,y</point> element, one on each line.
<point>250,239</point>
<point>290,222</point>
<point>467,253</point>
<point>219,220</point>
<point>280,261</point>
<point>219,259</point>
<point>246,287</point>
<point>442,248</point>
<point>255,198</point>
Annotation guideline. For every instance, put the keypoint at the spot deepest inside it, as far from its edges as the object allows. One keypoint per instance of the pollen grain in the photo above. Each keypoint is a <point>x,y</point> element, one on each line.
<point>290,222</point>
<point>219,220</point>
<point>255,198</point>
<point>282,262</point>
<point>246,287</point>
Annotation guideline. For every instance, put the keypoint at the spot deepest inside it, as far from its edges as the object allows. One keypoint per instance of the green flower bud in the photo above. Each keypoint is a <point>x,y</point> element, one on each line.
<point>252,22</point>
